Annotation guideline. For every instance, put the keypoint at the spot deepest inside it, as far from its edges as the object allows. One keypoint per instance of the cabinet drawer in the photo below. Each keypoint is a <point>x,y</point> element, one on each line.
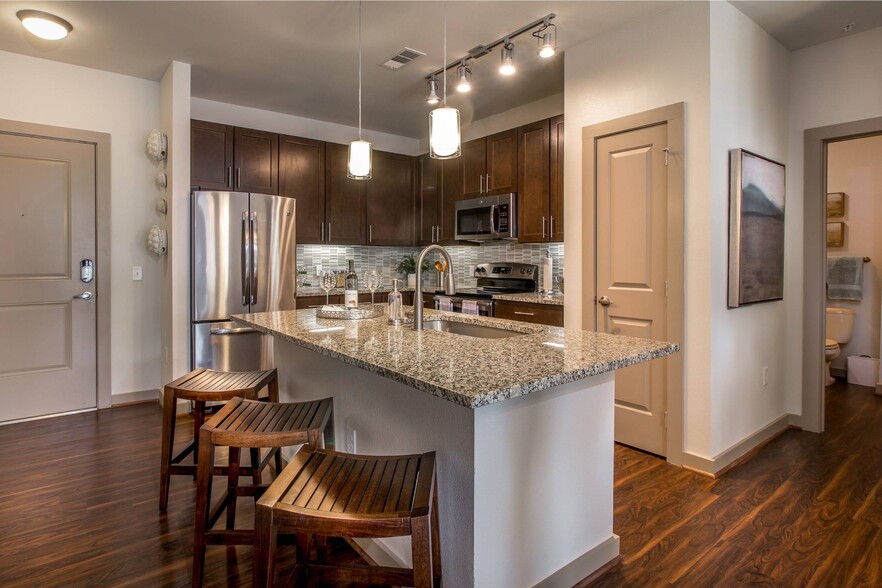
<point>543,314</point>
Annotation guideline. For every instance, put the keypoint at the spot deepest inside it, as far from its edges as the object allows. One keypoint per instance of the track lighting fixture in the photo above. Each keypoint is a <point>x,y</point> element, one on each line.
<point>546,35</point>
<point>464,77</point>
<point>359,167</point>
<point>432,94</point>
<point>44,25</point>
<point>507,68</point>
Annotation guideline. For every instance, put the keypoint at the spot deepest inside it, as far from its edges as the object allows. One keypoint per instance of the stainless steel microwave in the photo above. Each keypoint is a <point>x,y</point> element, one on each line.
<point>487,218</point>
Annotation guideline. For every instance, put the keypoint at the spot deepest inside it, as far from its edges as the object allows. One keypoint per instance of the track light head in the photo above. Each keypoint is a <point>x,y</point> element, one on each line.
<point>546,47</point>
<point>507,68</point>
<point>432,92</point>
<point>464,78</point>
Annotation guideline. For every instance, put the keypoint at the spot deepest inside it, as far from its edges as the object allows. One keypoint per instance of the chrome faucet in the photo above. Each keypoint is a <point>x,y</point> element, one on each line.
<point>449,287</point>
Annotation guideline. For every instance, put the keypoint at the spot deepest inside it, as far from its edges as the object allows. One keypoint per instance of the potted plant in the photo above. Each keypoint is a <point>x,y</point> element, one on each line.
<point>408,265</point>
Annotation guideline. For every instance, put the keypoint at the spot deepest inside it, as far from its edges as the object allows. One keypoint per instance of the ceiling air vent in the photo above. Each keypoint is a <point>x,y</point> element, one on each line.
<point>402,58</point>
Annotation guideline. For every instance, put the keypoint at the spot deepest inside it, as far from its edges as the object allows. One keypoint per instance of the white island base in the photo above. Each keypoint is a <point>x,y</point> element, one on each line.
<point>525,484</point>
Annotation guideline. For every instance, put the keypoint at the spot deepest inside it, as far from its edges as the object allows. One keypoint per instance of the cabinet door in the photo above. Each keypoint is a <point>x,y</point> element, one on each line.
<point>390,202</point>
<point>502,163</point>
<point>543,314</point>
<point>451,172</point>
<point>257,161</point>
<point>474,166</point>
<point>211,155</point>
<point>556,226</point>
<point>302,177</point>
<point>533,182</point>
<point>344,199</point>
<point>429,197</point>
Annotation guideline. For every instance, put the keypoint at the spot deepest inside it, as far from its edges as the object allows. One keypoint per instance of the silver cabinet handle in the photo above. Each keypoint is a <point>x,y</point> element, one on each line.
<point>323,232</point>
<point>543,227</point>
<point>230,176</point>
<point>437,233</point>
<point>551,228</point>
<point>233,331</point>
<point>246,267</point>
<point>487,184</point>
<point>253,256</point>
<point>329,232</point>
<point>604,301</point>
<point>370,233</point>
<point>433,234</point>
<point>83,296</point>
<point>238,177</point>
<point>525,313</point>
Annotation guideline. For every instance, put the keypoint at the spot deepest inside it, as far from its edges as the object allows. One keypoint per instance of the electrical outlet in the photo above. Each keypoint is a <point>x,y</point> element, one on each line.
<point>137,273</point>
<point>166,354</point>
<point>350,439</point>
<point>765,375</point>
<point>318,270</point>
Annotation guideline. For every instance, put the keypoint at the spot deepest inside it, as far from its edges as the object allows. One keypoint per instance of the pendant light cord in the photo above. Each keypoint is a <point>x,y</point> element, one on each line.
<point>359,70</point>
<point>445,53</point>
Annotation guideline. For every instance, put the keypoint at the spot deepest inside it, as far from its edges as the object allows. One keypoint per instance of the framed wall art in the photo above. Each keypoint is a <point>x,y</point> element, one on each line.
<point>756,229</point>
<point>836,205</point>
<point>836,234</point>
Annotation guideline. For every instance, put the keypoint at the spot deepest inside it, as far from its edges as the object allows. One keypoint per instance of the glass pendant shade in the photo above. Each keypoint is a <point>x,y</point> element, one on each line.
<point>359,160</point>
<point>444,137</point>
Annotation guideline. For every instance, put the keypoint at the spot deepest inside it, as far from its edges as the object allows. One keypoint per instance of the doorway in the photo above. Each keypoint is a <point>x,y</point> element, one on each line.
<point>817,142</point>
<point>633,267</point>
<point>54,282</point>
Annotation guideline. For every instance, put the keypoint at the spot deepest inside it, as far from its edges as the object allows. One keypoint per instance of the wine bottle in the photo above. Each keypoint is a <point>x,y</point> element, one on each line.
<point>350,288</point>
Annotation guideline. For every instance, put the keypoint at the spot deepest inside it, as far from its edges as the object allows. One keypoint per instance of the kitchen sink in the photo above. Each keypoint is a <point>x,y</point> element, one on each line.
<point>469,330</point>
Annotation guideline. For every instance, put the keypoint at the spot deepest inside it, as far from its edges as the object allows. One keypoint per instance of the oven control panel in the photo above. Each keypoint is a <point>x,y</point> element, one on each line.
<point>519,271</point>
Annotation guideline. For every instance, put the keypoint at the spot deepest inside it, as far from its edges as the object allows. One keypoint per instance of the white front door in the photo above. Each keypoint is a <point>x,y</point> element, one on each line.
<point>47,228</point>
<point>631,272</point>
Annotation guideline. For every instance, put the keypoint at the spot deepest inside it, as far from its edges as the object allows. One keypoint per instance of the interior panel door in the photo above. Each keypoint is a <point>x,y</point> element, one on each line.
<point>48,339</point>
<point>631,272</point>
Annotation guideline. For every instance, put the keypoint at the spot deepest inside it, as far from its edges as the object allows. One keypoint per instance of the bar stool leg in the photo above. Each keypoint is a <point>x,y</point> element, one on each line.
<point>272,390</point>
<point>198,421</point>
<point>232,485</point>
<point>264,548</point>
<point>255,466</point>
<point>168,439</point>
<point>422,552</point>
<point>203,500</point>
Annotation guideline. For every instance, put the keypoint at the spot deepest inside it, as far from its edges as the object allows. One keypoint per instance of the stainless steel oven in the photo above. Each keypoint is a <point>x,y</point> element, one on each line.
<point>464,304</point>
<point>487,218</point>
<point>492,279</point>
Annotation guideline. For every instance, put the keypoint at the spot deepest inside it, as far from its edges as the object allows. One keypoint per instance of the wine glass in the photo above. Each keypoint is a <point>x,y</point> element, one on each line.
<point>372,282</point>
<point>329,280</point>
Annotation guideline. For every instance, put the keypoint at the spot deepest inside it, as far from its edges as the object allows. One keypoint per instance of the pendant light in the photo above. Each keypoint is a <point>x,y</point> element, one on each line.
<point>445,141</point>
<point>359,167</point>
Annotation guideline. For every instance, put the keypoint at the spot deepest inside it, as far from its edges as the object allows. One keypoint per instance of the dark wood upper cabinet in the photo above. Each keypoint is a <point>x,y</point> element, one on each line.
<point>211,155</point>
<point>389,197</point>
<point>429,193</point>
<point>533,182</point>
<point>344,199</point>
<point>557,179</point>
<point>474,166</point>
<point>302,176</point>
<point>502,163</point>
<point>256,161</point>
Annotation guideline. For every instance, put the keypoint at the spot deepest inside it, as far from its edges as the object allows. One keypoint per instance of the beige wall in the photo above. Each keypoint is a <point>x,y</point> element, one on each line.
<point>47,92</point>
<point>855,167</point>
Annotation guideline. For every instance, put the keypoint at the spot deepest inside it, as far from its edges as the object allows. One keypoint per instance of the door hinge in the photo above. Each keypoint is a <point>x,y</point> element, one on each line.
<point>666,150</point>
<point>666,420</point>
<point>666,288</point>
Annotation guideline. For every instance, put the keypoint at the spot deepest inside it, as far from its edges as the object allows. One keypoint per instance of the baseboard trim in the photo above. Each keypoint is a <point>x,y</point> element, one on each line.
<point>878,391</point>
<point>587,567</point>
<point>738,453</point>
<point>135,397</point>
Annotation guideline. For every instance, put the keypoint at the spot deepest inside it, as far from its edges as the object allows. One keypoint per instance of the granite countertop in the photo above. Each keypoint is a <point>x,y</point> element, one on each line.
<point>532,298</point>
<point>469,371</point>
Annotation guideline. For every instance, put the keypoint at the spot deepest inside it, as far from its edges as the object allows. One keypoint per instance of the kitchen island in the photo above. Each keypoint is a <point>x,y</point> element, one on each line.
<point>522,426</point>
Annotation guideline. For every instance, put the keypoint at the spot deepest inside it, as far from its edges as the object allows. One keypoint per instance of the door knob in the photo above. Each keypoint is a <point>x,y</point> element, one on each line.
<point>604,301</point>
<point>84,296</point>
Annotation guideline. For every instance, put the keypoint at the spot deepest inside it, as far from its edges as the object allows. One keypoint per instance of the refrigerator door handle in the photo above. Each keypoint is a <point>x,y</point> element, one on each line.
<point>234,331</point>
<point>246,266</point>
<point>254,241</point>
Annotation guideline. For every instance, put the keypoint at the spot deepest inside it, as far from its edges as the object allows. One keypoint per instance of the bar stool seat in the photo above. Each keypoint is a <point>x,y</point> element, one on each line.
<point>326,493</point>
<point>201,386</point>
<point>254,425</point>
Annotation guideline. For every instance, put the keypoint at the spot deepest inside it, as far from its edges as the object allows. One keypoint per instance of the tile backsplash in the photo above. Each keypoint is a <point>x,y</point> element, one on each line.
<point>384,259</point>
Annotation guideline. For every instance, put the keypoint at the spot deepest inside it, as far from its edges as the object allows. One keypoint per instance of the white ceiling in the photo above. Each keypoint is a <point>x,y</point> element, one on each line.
<point>301,57</point>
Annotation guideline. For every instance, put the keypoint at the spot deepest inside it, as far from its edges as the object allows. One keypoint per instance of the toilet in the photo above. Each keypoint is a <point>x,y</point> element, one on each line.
<point>840,325</point>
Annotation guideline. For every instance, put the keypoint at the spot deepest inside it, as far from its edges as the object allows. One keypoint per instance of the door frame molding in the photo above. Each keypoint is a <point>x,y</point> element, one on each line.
<point>101,142</point>
<point>673,116</point>
<point>814,261</point>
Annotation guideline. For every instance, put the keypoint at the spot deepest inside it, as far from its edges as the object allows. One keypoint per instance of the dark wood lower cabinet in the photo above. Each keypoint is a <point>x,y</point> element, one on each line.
<point>543,314</point>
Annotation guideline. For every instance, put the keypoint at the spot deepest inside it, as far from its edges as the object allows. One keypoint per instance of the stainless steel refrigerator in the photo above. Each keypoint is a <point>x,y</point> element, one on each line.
<point>242,259</point>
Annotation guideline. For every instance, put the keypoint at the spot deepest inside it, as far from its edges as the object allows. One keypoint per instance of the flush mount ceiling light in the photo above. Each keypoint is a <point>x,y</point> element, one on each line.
<point>464,77</point>
<point>359,167</point>
<point>507,67</point>
<point>547,39</point>
<point>44,25</point>
<point>445,141</point>
<point>432,94</point>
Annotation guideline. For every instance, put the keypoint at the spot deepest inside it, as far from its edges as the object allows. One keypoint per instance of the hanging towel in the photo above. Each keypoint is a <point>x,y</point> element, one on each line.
<point>470,307</point>
<point>445,303</point>
<point>845,278</point>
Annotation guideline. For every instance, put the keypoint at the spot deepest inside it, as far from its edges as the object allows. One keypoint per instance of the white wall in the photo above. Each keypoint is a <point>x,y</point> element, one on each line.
<point>648,64</point>
<point>47,92</point>
<point>265,120</point>
<point>855,167</point>
<point>831,83</point>
<point>748,103</point>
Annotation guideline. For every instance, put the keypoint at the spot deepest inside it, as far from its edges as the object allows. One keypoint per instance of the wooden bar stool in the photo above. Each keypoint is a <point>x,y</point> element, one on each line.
<point>254,425</point>
<point>201,386</point>
<point>326,493</point>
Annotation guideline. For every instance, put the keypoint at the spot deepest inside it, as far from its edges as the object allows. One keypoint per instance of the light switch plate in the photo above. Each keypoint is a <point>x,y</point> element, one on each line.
<point>137,273</point>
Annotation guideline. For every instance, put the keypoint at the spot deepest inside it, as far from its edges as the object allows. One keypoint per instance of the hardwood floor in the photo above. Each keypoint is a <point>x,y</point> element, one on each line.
<point>79,507</point>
